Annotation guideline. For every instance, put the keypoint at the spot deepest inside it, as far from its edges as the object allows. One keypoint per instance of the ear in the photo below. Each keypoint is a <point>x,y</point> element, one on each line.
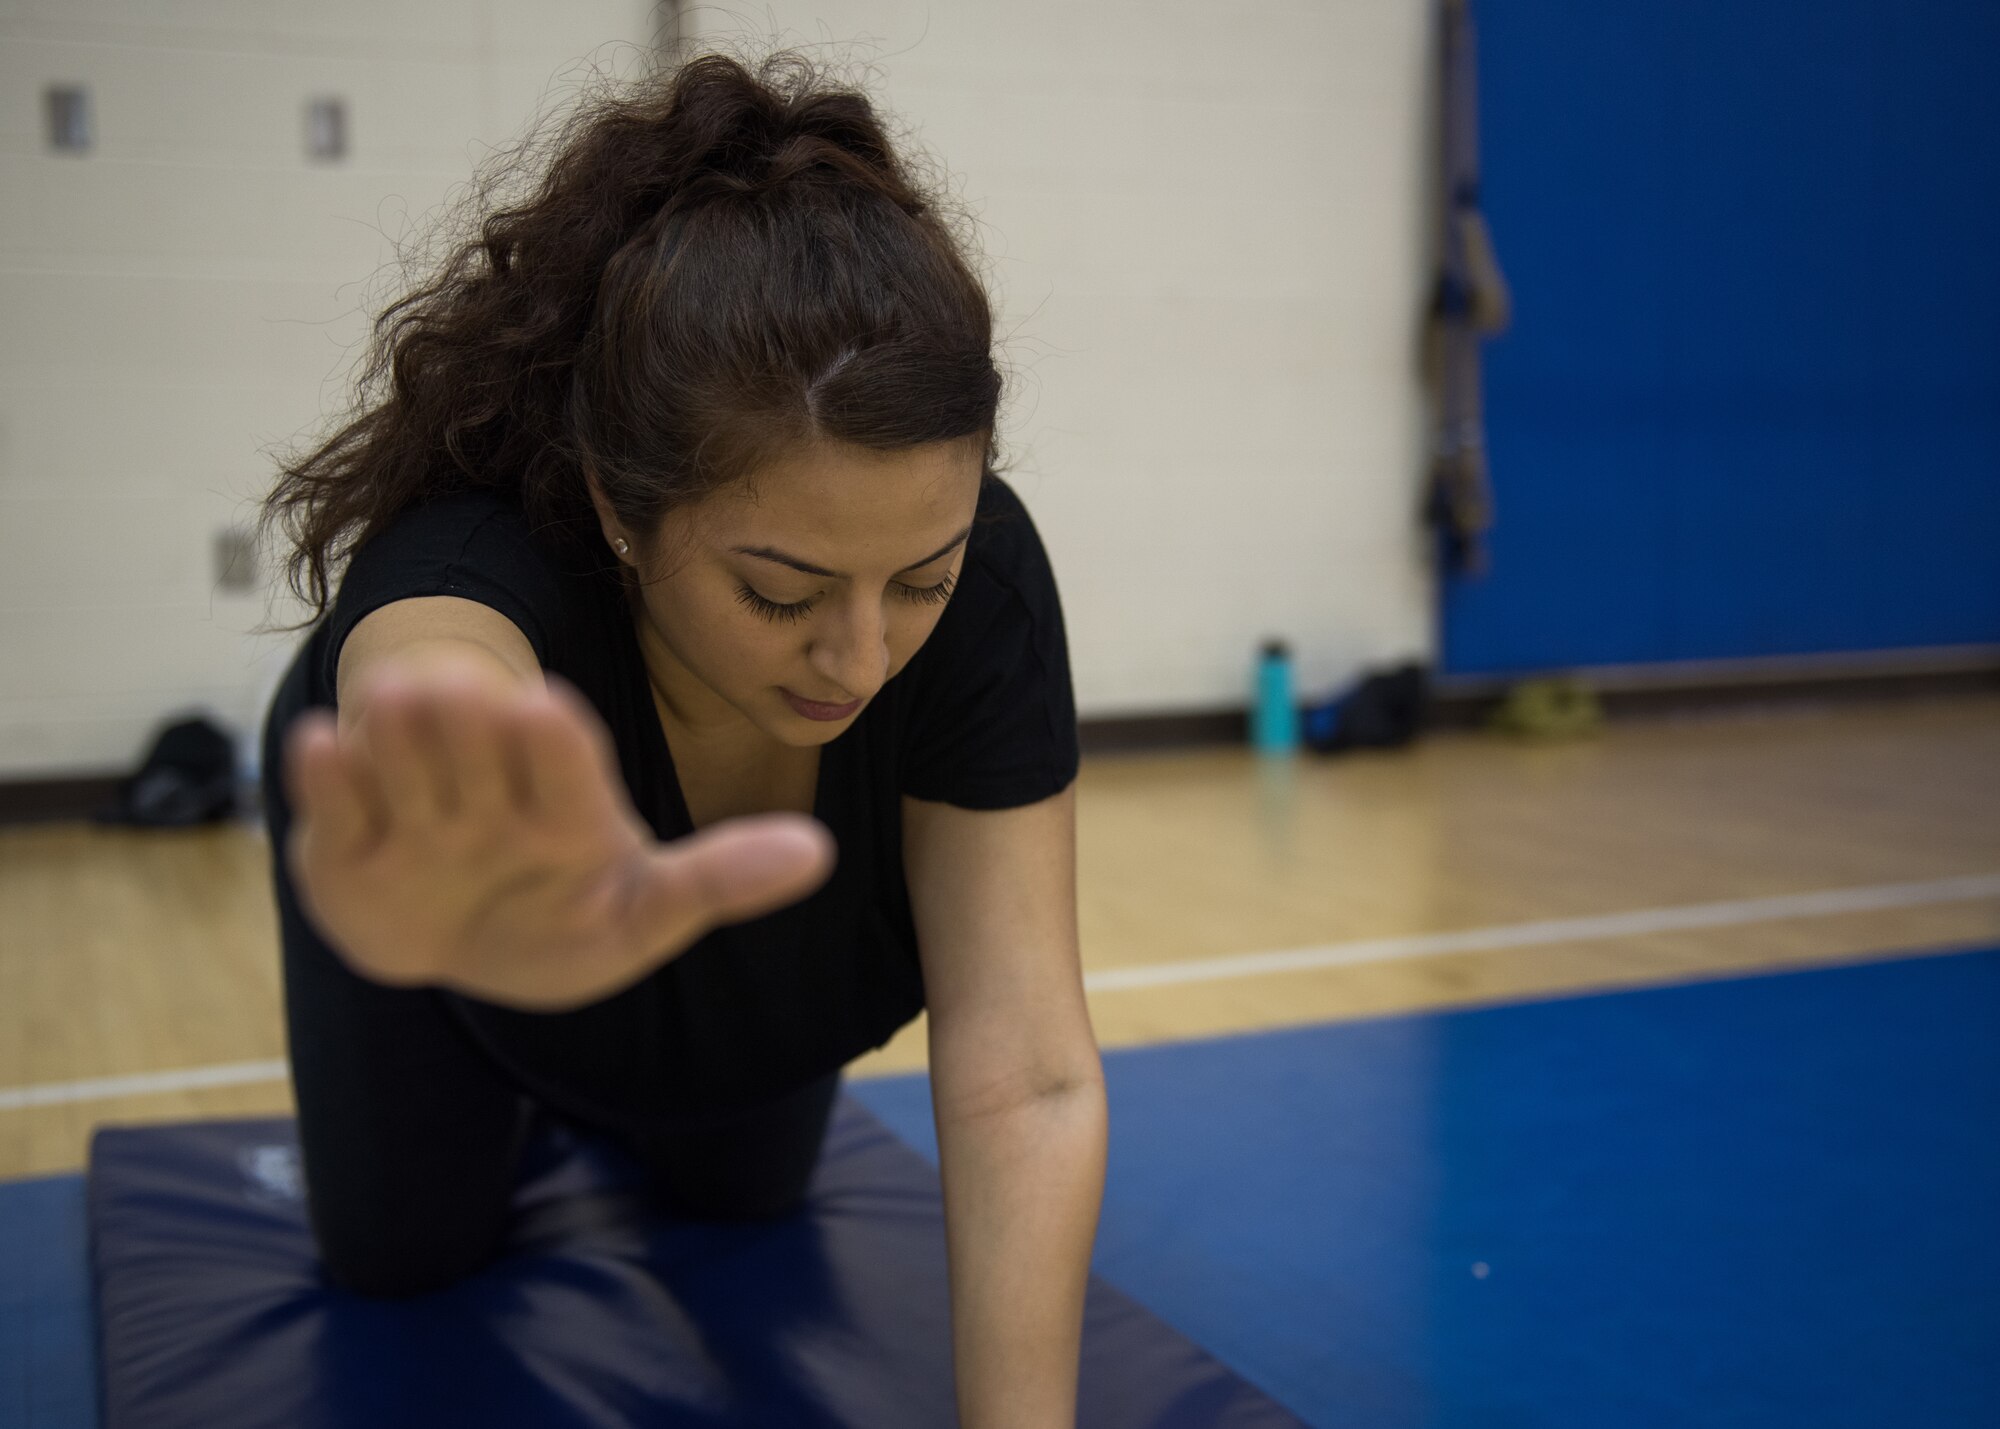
<point>607,520</point>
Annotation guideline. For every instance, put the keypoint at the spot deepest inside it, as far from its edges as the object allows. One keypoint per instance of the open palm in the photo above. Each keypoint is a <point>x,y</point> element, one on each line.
<point>473,835</point>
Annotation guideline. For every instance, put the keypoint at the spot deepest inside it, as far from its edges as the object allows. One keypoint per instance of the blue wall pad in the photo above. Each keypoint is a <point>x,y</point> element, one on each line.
<point>1750,399</point>
<point>212,1315</point>
<point>1751,1201</point>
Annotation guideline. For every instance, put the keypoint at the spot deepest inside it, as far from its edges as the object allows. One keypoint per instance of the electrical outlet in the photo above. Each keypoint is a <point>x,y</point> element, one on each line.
<point>236,560</point>
<point>68,109</point>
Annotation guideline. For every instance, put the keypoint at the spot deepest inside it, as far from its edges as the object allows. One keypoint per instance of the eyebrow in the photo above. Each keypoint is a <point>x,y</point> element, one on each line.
<point>765,553</point>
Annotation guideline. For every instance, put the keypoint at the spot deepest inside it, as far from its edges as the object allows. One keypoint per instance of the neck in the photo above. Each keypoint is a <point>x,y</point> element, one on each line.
<point>688,706</point>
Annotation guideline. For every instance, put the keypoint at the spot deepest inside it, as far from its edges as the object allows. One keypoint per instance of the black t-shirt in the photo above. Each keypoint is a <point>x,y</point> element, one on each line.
<point>981,716</point>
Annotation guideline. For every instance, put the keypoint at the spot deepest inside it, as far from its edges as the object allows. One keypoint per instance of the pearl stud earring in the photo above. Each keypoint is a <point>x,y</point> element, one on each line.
<point>623,548</point>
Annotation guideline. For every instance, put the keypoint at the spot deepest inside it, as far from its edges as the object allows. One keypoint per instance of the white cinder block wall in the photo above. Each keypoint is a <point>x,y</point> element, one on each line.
<point>189,293</point>
<point>1206,223</point>
<point>1204,226</point>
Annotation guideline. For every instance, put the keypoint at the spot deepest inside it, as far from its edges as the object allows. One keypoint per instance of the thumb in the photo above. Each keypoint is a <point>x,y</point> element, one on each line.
<point>735,870</point>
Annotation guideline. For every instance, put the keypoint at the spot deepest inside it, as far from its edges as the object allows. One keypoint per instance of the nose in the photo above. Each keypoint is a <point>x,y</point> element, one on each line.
<point>851,651</point>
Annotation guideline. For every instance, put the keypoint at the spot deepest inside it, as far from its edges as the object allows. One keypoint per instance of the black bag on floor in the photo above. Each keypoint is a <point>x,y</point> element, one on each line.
<point>1387,709</point>
<point>189,777</point>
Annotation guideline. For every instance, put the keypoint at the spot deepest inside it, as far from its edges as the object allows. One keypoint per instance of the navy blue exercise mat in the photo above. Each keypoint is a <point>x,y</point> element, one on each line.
<point>211,1311</point>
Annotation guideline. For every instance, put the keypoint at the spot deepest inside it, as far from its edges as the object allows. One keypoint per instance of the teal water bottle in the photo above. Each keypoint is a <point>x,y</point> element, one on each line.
<point>1274,722</point>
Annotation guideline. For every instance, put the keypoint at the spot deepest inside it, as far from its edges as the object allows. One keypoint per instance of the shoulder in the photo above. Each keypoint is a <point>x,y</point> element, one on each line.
<point>1005,597</point>
<point>444,527</point>
<point>478,544</point>
<point>1005,543</point>
<point>990,715</point>
<point>1006,576</point>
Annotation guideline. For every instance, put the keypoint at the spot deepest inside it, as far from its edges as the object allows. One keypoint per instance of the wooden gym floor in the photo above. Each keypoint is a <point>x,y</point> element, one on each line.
<point>1469,869</point>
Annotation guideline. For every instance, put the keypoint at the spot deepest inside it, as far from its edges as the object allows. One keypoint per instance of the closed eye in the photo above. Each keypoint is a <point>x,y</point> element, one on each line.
<point>771,609</point>
<point>784,613</point>
<point>928,594</point>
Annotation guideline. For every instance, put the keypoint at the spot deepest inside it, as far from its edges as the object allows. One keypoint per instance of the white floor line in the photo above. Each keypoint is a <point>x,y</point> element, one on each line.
<point>229,1074</point>
<point>1365,950</point>
<point>1553,930</point>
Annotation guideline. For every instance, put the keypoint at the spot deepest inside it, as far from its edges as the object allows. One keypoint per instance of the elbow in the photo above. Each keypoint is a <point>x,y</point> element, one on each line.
<point>1085,1079</point>
<point>1034,1091</point>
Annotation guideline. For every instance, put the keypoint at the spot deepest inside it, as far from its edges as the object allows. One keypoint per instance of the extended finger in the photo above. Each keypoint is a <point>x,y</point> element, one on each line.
<point>323,790</point>
<point>732,871</point>
<point>472,748</point>
<point>511,736</point>
<point>408,766</point>
<point>571,766</point>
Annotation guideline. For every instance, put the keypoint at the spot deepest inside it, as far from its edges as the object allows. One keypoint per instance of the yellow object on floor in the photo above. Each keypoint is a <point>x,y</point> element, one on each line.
<point>1555,708</point>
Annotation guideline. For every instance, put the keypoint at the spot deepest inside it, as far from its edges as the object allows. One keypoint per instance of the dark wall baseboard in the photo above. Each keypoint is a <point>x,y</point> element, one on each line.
<point>1168,729</point>
<point>1625,692</point>
<point>1457,703</point>
<point>40,801</point>
<point>1467,710</point>
<point>78,800</point>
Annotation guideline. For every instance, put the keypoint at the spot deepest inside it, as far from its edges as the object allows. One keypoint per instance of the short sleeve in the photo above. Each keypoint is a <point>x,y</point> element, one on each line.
<point>992,714</point>
<point>471,544</point>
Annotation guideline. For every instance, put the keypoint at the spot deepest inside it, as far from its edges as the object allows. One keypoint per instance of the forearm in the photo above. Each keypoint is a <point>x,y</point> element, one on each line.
<point>1022,1189</point>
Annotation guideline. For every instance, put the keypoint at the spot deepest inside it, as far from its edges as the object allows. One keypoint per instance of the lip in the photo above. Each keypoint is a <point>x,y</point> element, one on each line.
<point>813,709</point>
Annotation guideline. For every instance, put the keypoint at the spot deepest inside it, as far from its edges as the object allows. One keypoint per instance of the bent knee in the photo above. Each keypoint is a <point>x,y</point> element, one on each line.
<point>398,1271</point>
<point>714,1201</point>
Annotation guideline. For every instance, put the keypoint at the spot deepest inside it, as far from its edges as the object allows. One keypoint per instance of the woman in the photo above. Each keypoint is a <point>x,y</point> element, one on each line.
<point>675,513</point>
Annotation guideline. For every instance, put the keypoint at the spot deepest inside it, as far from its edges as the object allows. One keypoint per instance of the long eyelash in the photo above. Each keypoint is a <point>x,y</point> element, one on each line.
<point>930,594</point>
<point>785,614</point>
<point>771,609</point>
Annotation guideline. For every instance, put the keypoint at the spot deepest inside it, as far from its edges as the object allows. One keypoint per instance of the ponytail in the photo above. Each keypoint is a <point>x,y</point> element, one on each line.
<point>717,264</point>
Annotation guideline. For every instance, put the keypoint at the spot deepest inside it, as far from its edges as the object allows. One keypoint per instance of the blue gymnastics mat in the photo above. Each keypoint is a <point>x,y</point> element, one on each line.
<point>48,1361</point>
<point>600,1312</point>
<point>1768,1201</point>
<point>1759,1201</point>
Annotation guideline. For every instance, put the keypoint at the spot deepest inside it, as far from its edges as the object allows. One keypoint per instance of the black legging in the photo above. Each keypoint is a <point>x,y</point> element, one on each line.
<point>411,1133</point>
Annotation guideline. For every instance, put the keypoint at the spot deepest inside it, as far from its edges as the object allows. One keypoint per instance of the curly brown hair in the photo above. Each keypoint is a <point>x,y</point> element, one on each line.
<point>721,261</point>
